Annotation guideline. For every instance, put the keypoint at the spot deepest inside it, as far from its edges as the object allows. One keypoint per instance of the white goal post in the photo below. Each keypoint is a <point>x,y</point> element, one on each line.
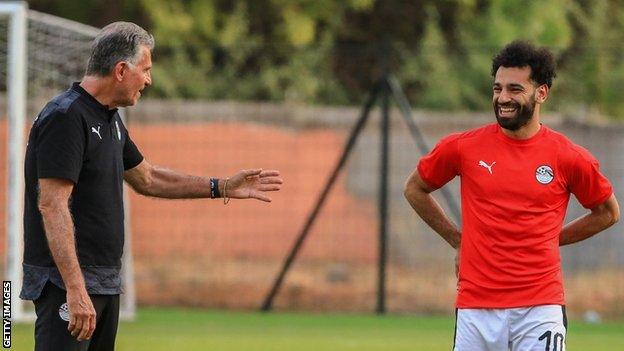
<point>43,55</point>
<point>16,115</point>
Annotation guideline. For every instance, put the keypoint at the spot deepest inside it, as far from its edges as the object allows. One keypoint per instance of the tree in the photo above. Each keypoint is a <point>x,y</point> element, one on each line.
<point>331,51</point>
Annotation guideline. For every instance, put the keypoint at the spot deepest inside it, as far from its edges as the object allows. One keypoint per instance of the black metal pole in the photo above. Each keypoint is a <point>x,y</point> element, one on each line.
<point>406,111</point>
<point>383,197</point>
<point>268,302</point>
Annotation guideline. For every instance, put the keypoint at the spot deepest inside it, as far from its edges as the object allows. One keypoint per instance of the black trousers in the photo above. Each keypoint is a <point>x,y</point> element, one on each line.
<point>51,332</point>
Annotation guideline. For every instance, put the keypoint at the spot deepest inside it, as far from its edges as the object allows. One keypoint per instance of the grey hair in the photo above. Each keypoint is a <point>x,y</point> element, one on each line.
<point>118,41</point>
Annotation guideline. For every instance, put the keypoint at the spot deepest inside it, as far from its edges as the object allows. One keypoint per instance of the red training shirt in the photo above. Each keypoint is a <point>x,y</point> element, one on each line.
<point>514,195</point>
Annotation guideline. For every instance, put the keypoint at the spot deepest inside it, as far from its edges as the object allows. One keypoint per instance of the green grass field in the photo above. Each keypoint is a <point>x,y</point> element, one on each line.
<point>189,330</point>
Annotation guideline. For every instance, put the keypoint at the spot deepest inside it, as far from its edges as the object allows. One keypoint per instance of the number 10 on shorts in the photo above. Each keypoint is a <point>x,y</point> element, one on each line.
<point>556,339</point>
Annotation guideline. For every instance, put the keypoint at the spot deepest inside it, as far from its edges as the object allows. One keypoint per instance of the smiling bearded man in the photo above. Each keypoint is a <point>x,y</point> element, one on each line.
<point>516,179</point>
<point>514,115</point>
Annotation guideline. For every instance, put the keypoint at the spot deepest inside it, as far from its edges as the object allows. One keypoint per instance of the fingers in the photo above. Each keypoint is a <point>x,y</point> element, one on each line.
<point>72,324</point>
<point>82,315</point>
<point>271,180</point>
<point>260,173</point>
<point>90,328</point>
<point>269,187</point>
<point>77,330</point>
<point>270,183</point>
<point>84,331</point>
<point>269,173</point>
<point>251,183</point>
<point>84,326</point>
<point>252,172</point>
<point>87,326</point>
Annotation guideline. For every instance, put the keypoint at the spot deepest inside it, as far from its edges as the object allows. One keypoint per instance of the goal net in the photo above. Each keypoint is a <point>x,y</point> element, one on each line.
<point>40,56</point>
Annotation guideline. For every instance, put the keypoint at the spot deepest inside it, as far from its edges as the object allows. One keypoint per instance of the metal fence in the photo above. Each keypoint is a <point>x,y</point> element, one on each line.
<point>204,253</point>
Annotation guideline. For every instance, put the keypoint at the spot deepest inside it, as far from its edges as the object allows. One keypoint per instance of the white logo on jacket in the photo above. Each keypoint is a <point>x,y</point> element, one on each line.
<point>96,131</point>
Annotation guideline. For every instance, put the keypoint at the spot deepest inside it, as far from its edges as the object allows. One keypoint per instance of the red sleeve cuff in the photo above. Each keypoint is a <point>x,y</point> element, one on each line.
<point>430,182</point>
<point>600,200</point>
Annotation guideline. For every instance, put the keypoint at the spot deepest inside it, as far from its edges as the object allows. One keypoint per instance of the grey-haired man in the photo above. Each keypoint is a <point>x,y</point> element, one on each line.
<point>78,155</point>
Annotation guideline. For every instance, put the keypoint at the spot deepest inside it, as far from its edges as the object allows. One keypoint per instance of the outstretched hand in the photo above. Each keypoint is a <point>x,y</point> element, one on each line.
<point>252,184</point>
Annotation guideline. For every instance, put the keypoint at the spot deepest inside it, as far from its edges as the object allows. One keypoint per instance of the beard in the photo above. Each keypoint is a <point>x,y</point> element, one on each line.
<point>524,113</point>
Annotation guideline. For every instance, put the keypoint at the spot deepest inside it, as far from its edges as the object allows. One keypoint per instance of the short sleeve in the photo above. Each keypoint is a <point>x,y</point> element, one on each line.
<point>441,165</point>
<point>60,146</point>
<point>590,187</point>
<point>131,154</point>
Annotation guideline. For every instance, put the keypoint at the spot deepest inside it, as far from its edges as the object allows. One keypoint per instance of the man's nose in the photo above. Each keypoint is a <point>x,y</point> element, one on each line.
<point>504,97</point>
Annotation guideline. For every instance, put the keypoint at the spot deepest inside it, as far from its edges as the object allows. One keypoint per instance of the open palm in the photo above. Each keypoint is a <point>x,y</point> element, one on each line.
<point>253,183</point>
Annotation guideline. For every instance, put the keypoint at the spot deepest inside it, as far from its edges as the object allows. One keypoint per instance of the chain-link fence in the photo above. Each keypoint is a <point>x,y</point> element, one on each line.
<point>204,253</point>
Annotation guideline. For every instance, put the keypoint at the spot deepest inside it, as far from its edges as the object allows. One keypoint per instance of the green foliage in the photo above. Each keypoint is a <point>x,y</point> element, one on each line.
<point>592,72</point>
<point>432,70</point>
<point>330,51</point>
<point>265,50</point>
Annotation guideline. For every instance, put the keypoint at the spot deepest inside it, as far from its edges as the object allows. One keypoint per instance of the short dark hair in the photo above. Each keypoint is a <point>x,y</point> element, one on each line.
<point>118,41</point>
<point>521,54</point>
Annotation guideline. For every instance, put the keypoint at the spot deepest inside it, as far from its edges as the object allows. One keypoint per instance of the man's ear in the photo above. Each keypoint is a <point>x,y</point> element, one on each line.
<point>120,70</point>
<point>541,93</point>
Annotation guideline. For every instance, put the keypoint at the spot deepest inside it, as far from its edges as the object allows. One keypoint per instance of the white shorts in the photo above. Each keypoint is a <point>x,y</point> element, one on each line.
<point>537,328</point>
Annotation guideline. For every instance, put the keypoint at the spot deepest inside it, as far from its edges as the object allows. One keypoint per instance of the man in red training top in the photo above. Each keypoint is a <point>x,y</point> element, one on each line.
<point>516,180</point>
